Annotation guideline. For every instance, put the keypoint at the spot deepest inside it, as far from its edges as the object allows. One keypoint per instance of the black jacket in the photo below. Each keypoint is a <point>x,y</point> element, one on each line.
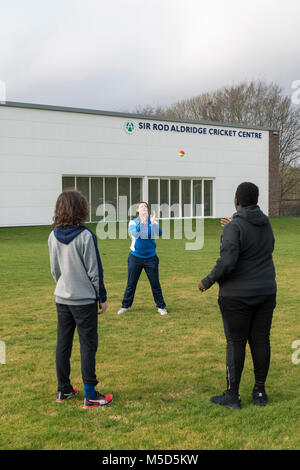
<point>245,267</point>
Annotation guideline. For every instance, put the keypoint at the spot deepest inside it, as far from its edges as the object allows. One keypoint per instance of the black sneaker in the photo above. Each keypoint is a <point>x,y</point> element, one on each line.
<point>61,396</point>
<point>260,397</point>
<point>99,400</point>
<point>233,402</point>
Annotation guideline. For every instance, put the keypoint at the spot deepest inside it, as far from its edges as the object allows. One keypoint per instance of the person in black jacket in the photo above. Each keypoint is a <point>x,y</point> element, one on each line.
<point>247,293</point>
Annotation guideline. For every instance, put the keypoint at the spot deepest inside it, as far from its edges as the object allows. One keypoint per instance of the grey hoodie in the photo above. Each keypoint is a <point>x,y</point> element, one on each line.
<point>76,266</point>
<point>245,267</point>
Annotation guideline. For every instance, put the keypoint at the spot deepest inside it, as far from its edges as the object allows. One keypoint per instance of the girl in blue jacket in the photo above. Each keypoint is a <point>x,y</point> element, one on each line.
<point>143,230</point>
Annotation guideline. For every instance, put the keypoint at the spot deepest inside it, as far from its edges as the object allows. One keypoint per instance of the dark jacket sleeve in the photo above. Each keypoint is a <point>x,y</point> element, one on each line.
<point>229,255</point>
<point>102,290</point>
<point>93,264</point>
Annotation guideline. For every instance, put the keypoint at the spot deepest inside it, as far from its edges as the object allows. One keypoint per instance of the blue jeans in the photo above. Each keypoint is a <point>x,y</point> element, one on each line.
<point>135,267</point>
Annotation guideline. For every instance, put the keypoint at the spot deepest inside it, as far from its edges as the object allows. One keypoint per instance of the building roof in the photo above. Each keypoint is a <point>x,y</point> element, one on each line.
<point>48,107</point>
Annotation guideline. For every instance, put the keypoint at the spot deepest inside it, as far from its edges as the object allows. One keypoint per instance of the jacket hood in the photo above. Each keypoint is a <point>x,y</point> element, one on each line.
<point>67,234</point>
<point>253,215</point>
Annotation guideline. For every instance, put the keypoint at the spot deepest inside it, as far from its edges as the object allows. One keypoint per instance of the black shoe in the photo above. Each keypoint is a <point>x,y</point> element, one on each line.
<point>260,397</point>
<point>233,402</point>
<point>61,396</point>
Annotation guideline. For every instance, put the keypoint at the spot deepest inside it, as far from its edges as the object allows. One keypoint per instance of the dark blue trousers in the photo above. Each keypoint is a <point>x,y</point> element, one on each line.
<point>135,267</point>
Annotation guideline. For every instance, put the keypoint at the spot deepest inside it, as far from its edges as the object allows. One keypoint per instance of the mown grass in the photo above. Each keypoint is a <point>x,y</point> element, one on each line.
<point>161,370</point>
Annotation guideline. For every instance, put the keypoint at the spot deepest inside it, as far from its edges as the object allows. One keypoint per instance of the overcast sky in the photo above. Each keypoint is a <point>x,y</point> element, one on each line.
<point>120,54</point>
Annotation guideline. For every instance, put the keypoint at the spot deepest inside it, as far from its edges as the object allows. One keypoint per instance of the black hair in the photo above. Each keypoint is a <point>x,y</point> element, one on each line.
<point>247,194</point>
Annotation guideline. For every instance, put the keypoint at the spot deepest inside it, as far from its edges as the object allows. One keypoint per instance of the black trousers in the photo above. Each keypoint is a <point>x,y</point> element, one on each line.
<point>135,267</point>
<point>247,319</point>
<point>85,318</point>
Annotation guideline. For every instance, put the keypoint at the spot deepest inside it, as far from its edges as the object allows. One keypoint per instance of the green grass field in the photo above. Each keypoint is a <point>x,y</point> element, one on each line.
<point>161,370</point>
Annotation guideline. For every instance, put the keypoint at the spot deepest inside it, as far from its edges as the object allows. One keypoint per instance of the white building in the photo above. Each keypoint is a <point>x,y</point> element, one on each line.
<point>45,149</point>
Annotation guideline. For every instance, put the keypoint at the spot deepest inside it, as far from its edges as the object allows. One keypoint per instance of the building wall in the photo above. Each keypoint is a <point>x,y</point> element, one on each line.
<point>38,146</point>
<point>273,174</point>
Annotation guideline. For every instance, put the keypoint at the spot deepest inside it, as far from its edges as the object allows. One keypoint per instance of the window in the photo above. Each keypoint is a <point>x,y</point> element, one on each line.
<point>181,197</point>
<point>111,198</point>
<point>197,197</point>
<point>164,199</point>
<point>96,196</point>
<point>83,185</point>
<point>136,193</point>
<point>100,190</point>
<point>186,198</point>
<point>174,197</point>
<point>124,194</point>
<point>208,198</point>
<point>68,182</point>
<point>153,191</point>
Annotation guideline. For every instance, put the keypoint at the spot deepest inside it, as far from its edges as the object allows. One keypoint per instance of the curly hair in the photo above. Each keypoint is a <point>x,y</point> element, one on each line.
<point>71,208</point>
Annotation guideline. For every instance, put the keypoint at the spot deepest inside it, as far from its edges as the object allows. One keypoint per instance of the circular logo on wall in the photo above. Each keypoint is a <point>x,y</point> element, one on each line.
<point>129,127</point>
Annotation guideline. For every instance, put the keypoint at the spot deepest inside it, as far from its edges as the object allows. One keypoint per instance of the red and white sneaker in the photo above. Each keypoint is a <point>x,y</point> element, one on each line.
<point>61,396</point>
<point>100,400</point>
